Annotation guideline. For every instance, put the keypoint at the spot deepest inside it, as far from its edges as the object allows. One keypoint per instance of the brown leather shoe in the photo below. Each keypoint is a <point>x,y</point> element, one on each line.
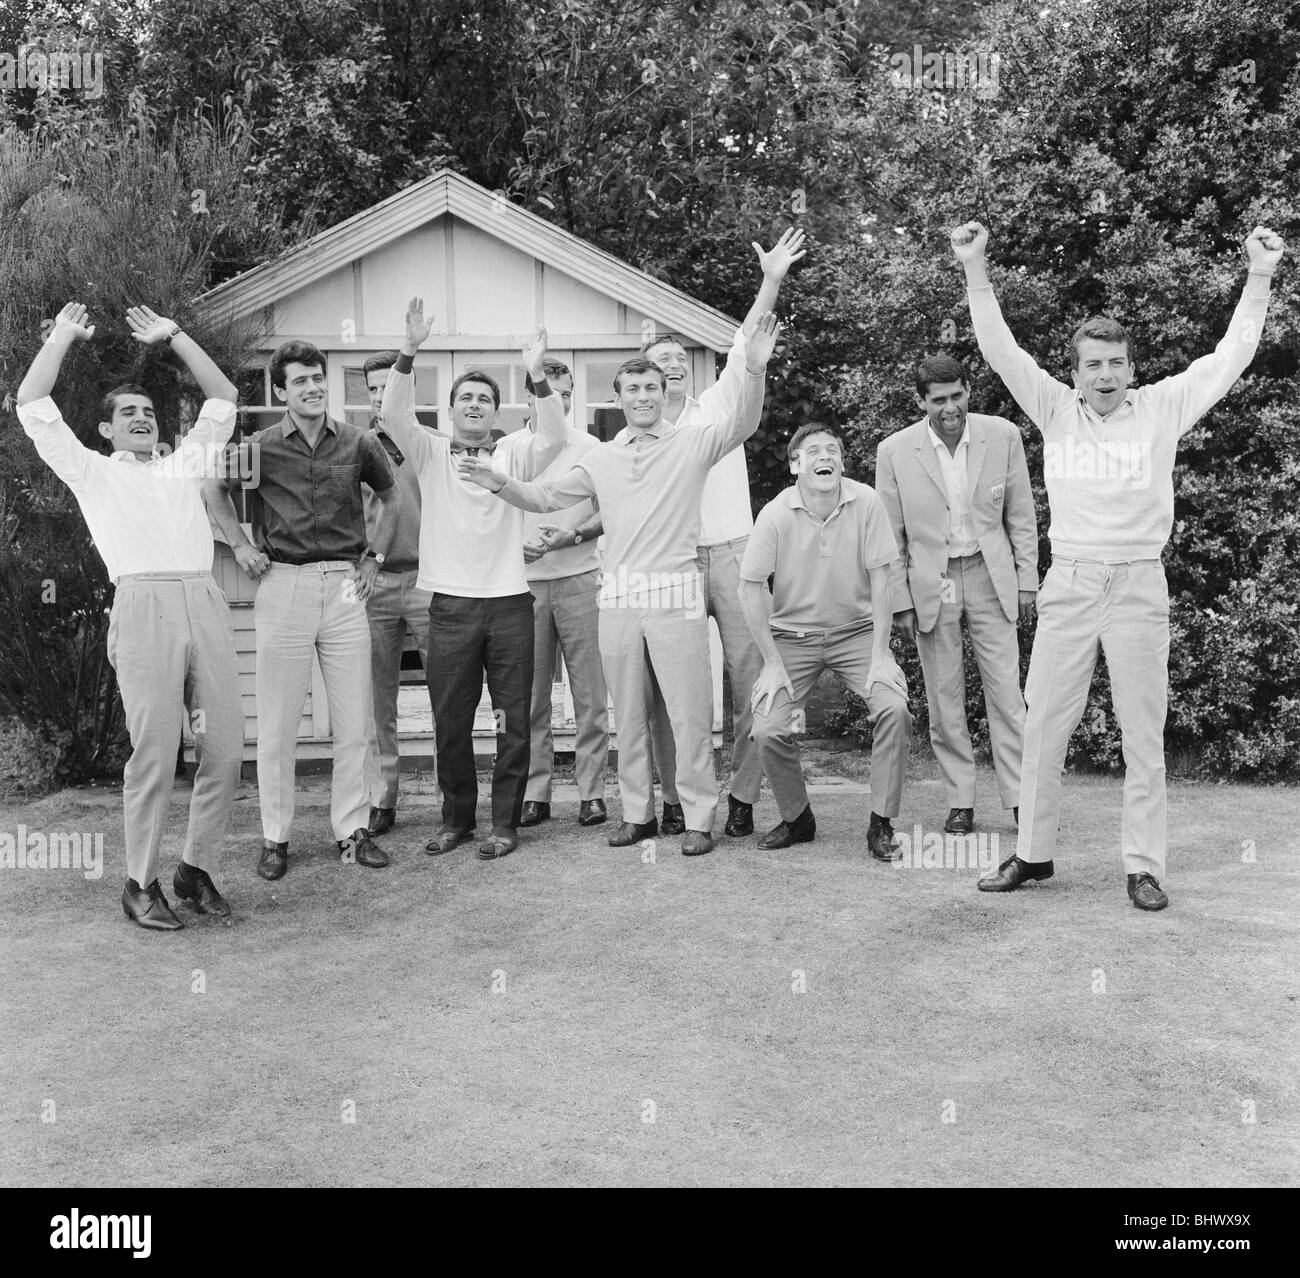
<point>381,821</point>
<point>630,832</point>
<point>148,907</point>
<point>1013,872</point>
<point>697,843</point>
<point>273,859</point>
<point>674,821</point>
<point>801,830</point>
<point>592,812</point>
<point>1144,891</point>
<point>196,887</point>
<point>446,840</point>
<point>535,813</point>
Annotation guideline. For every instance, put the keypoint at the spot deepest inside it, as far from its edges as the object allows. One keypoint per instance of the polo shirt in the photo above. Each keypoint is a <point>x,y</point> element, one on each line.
<point>471,543</point>
<point>953,467</point>
<point>648,484</point>
<point>821,567</point>
<point>142,516</point>
<point>1110,480</point>
<point>306,504</point>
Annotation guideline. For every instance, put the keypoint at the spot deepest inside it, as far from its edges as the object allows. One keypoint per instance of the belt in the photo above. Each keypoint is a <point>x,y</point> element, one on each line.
<point>1101,563</point>
<point>320,565</point>
<point>159,576</point>
<point>720,545</point>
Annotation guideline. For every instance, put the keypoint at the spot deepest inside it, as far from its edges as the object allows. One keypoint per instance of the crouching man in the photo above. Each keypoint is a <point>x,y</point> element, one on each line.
<point>827,544</point>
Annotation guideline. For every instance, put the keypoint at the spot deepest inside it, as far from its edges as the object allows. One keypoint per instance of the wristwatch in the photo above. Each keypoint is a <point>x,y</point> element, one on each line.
<point>577,538</point>
<point>376,556</point>
<point>176,329</point>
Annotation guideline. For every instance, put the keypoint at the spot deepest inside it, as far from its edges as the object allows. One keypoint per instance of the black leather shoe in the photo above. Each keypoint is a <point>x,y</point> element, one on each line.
<point>629,833</point>
<point>1013,872</point>
<point>1144,891</point>
<point>359,849</point>
<point>381,821</point>
<point>740,818</point>
<point>196,887</point>
<point>1015,812</point>
<point>148,907</point>
<point>273,859</point>
<point>591,812</point>
<point>448,839</point>
<point>960,821</point>
<point>674,821</point>
<point>697,843</point>
<point>801,830</point>
<point>535,813</point>
<point>880,839</point>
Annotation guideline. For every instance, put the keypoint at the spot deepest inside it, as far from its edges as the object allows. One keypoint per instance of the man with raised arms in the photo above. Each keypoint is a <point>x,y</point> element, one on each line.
<point>1108,458</point>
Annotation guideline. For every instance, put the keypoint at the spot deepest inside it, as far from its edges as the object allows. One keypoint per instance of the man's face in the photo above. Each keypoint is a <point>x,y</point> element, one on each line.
<point>563,387</point>
<point>945,404</point>
<point>375,383</point>
<point>304,390</point>
<point>134,429</point>
<point>819,463</point>
<point>676,368</point>
<point>641,397</point>
<point>473,411</point>
<point>1103,374</point>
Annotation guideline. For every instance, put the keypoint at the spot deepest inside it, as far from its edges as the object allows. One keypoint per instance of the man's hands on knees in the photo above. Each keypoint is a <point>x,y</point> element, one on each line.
<point>771,679</point>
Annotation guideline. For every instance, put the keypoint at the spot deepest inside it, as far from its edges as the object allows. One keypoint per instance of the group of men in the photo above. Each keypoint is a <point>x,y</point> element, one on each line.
<point>484,547</point>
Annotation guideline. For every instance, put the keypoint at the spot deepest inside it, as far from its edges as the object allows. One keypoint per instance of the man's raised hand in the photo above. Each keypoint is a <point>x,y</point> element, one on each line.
<point>148,326</point>
<point>970,242</point>
<point>760,341</point>
<point>782,255</point>
<point>70,324</point>
<point>1264,248</point>
<point>417,327</point>
<point>534,354</point>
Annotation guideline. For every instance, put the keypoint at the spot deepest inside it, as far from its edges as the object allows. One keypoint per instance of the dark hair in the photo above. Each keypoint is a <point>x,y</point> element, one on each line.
<point>938,369</point>
<point>659,338</point>
<point>377,361</point>
<point>476,375</point>
<point>637,365</point>
<point>812,428</point>
<point>108,405</point>
<point>294,353</point>
<point>1100,328</point>
<point>552,368</point>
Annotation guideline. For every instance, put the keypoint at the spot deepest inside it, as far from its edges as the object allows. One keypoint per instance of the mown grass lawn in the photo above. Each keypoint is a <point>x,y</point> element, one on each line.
<point>574,1014</point>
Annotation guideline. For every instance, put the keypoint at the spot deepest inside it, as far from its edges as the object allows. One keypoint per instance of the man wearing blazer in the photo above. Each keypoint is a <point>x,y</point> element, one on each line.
<point>956,487</point>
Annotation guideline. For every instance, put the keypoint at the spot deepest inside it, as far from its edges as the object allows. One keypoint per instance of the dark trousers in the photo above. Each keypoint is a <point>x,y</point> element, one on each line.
<point>468,638</point>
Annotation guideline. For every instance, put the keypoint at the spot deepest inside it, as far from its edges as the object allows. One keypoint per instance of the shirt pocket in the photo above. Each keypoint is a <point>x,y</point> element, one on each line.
<point>344,479</point>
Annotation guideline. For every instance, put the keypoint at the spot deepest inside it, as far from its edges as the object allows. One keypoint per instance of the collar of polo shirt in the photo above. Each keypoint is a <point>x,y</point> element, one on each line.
<point>1127,402</point>
<point>794,498</point>
<point>938,443</point>
<point>288,426</point>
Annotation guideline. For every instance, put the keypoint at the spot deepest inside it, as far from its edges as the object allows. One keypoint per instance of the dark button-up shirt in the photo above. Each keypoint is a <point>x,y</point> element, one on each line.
<point>305,505</point>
